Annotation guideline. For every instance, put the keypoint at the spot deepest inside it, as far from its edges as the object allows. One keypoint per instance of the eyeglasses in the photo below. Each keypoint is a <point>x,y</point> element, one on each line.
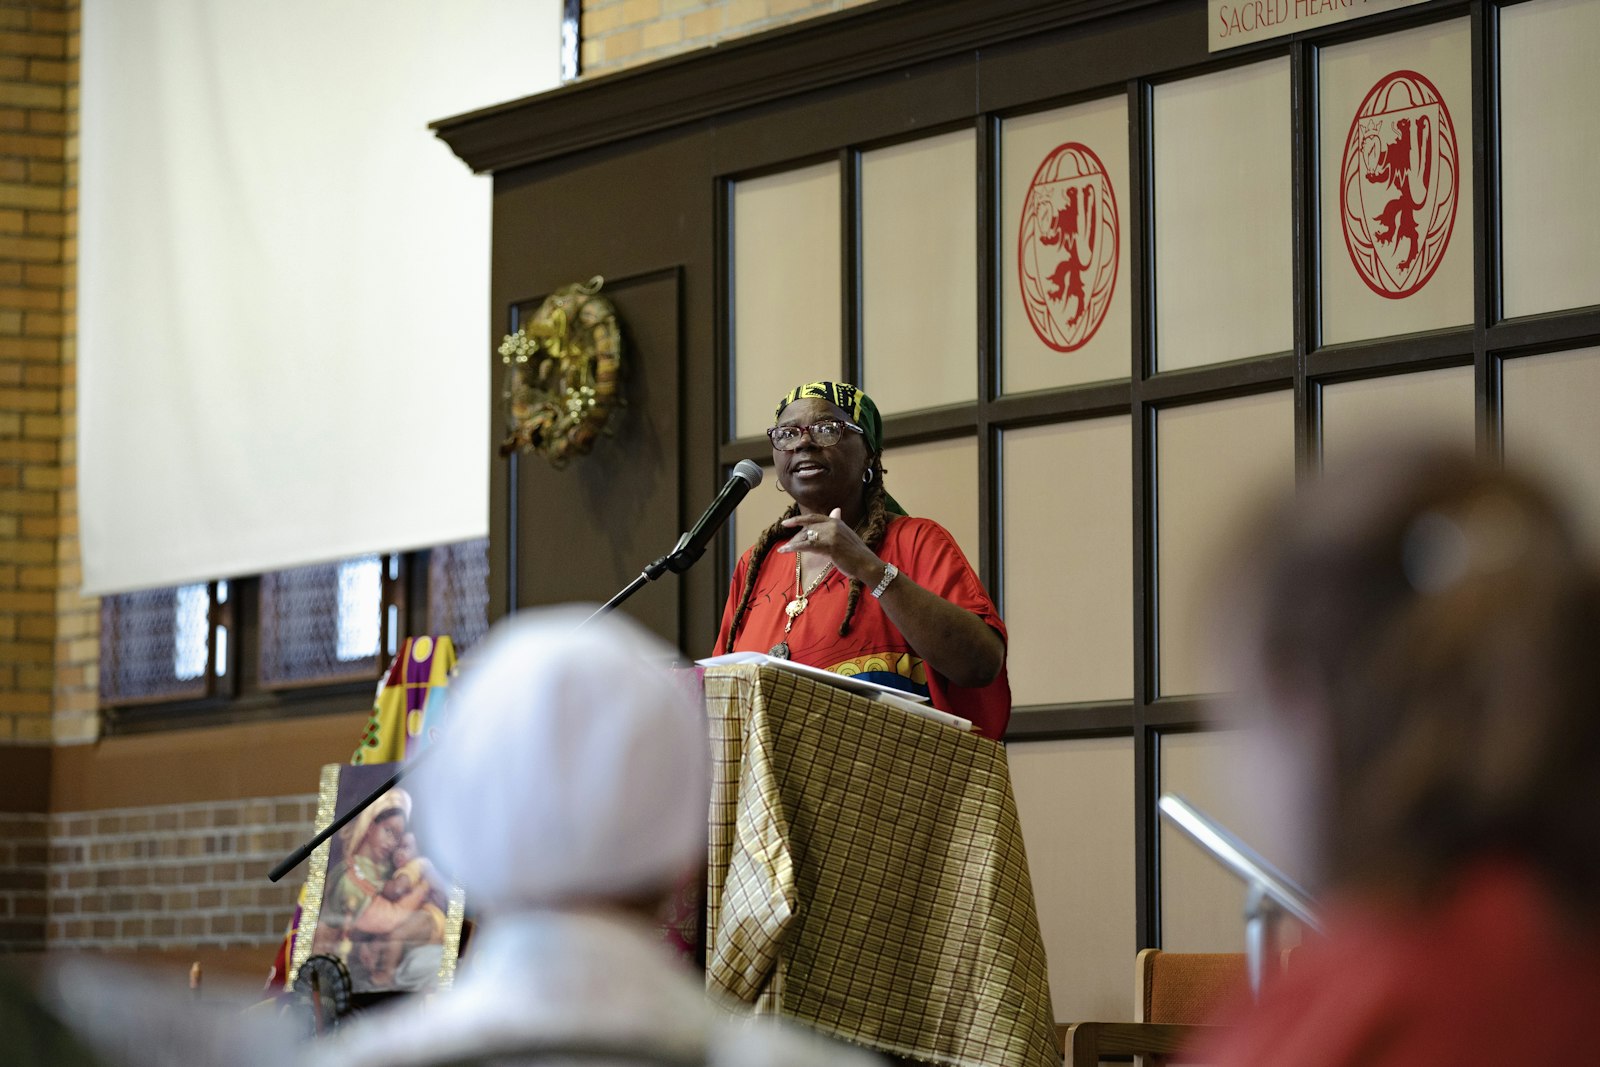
<point>824,434</point>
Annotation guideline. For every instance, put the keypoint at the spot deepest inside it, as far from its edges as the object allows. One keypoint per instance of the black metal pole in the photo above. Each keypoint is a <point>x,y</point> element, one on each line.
<point>293,859</point>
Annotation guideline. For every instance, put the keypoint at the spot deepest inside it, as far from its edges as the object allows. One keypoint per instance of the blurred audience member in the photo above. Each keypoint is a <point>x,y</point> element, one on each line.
<point>1420,654</point>
<point>94,1011</point>
<point>569,799</point>
<point>31,1033</point>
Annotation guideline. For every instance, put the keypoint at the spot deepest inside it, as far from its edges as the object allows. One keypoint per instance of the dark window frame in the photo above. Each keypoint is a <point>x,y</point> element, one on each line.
<point>239,696</point>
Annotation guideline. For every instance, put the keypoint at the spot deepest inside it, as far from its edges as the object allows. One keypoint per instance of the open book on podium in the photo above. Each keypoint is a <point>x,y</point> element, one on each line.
<point>875,691</point>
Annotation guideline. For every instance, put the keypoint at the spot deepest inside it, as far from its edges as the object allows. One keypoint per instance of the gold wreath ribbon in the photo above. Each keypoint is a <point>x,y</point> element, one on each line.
<point>562,403</point>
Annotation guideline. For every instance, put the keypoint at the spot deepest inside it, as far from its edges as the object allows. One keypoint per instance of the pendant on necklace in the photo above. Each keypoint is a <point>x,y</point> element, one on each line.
<point>779,650</point>
<point>795,607</point>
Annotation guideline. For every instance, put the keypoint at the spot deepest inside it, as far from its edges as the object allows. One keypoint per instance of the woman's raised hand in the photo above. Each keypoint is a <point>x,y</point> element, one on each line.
<point>830,537</point>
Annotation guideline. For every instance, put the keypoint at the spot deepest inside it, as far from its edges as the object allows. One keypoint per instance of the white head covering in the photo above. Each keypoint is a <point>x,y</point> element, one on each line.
<point>574,767</point>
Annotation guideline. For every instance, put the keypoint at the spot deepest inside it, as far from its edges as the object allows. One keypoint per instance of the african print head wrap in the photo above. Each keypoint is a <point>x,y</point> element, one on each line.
<point>847,398</point>
<point>855,403</point>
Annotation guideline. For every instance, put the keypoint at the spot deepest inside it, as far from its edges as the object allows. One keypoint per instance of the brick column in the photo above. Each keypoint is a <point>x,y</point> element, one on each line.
<point>48,634</point>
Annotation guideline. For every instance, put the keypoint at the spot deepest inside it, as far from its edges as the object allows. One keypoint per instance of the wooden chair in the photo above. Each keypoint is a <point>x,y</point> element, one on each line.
<point>1174,994</point>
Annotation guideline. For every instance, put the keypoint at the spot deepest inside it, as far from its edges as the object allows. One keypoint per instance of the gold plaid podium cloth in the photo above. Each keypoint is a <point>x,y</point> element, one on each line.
<point>867,875</point>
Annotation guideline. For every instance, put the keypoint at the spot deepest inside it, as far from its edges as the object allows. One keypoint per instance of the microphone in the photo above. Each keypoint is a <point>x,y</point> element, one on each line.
<point>691,546</point>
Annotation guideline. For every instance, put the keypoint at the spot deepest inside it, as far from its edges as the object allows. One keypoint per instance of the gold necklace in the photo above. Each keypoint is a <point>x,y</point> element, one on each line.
<point>795,607</point>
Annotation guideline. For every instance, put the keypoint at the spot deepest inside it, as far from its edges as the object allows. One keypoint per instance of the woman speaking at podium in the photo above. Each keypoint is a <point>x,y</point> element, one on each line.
<point>847,581</point>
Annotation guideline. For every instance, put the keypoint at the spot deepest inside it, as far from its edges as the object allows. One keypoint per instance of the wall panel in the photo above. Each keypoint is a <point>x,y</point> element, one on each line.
<point>1550,427</point>
<point>1064,246</point>
<point>940,481</point>
<point>1433,405</point>
<point>1075,799</point>
<point>1396,181</point>
<point>918,239</point>
<point>1549,150</point>
<point>1215,462</point>
<point>1223,218</point>
<point>1069,561</point>
<point>785,288</point>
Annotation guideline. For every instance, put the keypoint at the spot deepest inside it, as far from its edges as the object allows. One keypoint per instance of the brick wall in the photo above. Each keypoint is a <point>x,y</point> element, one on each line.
<point>24,881</point>
<point>623,33</point>
<point>173,876</point>
<point>48,634</point>
<point>160,843</point>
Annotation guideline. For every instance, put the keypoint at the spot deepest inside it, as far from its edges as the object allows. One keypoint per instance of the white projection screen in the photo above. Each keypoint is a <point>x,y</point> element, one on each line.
<point>284,325</point>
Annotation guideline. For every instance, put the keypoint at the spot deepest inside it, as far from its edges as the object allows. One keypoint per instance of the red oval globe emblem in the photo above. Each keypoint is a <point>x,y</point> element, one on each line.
<point>1068,246</point>
<point>1399,184</point>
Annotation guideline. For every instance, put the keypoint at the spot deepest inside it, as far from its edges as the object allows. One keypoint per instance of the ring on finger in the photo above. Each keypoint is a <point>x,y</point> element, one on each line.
<point>811,535</point>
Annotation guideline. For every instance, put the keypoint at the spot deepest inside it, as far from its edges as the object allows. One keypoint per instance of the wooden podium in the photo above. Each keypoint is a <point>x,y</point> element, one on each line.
<point>867,875</point>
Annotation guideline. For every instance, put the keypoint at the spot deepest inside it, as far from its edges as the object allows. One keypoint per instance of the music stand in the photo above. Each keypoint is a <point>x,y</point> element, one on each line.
<point>1270,890</point>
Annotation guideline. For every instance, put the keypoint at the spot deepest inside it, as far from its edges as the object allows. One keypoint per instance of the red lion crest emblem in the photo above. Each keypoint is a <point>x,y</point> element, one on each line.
<point>1068,246</point>
<point>1399,184</point>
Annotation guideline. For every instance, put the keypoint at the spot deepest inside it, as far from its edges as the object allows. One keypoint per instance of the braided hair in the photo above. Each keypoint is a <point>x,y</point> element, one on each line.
<point>874,522</point>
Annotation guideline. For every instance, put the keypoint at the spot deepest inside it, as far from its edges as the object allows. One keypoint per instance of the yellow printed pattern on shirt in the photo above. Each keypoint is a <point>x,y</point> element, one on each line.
<point>904,664</point>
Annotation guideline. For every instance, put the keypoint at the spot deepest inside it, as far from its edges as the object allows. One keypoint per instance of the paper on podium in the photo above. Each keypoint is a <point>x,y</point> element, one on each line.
<point>882,694</point>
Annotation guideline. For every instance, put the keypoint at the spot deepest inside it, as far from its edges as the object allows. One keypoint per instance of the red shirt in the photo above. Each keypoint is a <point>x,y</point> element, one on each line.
<point>873,648</point>
<point>1487,976</point>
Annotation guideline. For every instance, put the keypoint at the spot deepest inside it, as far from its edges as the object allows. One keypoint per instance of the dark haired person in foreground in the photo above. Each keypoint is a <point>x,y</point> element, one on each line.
<point>1420,652</point>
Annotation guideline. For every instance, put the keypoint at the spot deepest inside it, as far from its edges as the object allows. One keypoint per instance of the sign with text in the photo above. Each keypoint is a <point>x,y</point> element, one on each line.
<point>1240,22</point>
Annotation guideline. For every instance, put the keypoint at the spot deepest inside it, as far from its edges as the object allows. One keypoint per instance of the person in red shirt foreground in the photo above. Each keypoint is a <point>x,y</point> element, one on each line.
<point>1420,646</point>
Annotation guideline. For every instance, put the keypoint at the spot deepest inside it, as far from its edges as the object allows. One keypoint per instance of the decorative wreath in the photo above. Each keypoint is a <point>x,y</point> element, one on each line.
<point>563,374</point>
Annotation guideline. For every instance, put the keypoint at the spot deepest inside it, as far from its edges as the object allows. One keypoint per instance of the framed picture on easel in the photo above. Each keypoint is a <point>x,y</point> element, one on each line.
<point>373,899</point>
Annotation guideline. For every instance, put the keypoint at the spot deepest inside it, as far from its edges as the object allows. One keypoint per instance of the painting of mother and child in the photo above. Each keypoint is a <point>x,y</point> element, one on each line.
<point>385,907</point>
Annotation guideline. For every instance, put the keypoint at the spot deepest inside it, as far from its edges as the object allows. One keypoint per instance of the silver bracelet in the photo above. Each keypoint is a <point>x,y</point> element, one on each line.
<point>890,573</point>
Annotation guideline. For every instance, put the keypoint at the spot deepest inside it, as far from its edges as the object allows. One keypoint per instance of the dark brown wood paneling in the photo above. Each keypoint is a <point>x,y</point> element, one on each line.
<point>24,778</point>
<point>868,113</point>
<point>192,766</point>
<point>1094,60</point>
<point>644,220</point>
<point>588,529</point>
